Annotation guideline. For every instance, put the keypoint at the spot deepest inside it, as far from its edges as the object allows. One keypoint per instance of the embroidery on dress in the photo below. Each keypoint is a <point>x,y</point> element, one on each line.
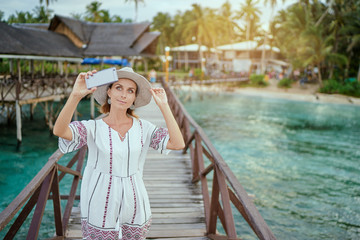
<point>74,144</point>
<point>130,232</point>
<point>157,137</point>
<point>93,233</point>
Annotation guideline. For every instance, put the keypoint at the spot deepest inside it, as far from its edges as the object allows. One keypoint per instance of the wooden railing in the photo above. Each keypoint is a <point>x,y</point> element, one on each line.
<point>224,182</point>
<point>37,192</point>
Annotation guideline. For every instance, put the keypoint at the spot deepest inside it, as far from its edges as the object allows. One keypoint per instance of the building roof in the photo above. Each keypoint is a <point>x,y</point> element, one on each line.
<point>98,39</point>
<point>109,39</point>
<point>191,48</point>
<point>245,46</point>
<point>34,41</point>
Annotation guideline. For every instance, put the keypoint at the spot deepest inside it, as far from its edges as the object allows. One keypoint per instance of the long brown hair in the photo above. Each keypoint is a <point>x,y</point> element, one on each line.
<point>105,108</point>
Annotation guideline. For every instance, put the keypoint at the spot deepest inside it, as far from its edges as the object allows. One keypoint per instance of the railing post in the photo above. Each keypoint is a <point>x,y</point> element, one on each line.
<point>214,205</point>
<point>40,206</point>
<point>74,185</point>
<point>23,215</point>
<point>57,205</point>
<point>229,218</point>
<point>199,168</point>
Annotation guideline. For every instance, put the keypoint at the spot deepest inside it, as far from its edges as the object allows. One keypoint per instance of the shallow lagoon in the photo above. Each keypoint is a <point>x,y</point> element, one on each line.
<point>299,160</point>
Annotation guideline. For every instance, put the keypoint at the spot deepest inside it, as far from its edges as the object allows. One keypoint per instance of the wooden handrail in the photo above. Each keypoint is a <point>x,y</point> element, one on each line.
<point>224,184</point>
<point>38,192</point>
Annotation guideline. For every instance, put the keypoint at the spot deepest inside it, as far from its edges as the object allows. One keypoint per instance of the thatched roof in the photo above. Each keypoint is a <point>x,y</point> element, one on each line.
<point>110,39</point>
<point>67,37</point>
<point>34,41</point>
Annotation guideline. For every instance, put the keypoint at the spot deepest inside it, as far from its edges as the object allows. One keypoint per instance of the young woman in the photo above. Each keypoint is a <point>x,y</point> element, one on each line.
<point>113,200</point>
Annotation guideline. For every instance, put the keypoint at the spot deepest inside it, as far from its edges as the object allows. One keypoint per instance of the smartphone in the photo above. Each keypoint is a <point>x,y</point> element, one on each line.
<point>102,77</point>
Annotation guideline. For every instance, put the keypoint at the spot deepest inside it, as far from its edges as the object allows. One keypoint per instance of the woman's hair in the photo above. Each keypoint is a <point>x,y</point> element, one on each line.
<point>105,108</point>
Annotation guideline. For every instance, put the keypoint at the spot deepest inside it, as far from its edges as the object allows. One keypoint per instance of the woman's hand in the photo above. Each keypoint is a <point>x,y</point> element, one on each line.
<point>159,95</point>
<point>79,89</point>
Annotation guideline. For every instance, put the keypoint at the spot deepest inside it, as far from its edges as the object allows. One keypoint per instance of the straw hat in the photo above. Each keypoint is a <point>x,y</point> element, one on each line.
<point>143,96</point>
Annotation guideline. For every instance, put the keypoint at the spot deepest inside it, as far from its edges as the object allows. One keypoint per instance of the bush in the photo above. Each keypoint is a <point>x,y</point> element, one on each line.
<point>258,80</point>
<point>350,89</point>
<point>285,83</point>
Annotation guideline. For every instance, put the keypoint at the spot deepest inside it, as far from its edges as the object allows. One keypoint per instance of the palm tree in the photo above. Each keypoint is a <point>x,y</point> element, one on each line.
<point>47,6</point>
<point>136,7</point>
<point>250,13</point>
<point>162,22</point>
<point>273,3</point>
<point>93,12</point>
<point>351,33</point>
<point>229,26</point>
<point>21,17</point>
<point>202,26</point>
<point>42,14</point>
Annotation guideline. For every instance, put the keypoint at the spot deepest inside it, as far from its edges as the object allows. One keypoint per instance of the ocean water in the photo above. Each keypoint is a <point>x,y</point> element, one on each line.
<point>300,161</point>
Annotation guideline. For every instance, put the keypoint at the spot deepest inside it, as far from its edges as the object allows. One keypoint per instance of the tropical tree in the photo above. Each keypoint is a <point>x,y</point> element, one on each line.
<point>21,17</point>
<point>95,14</point>
<point>47,10</point>
<point>162,22</point>
<point>229,27</point>
<point>203,26</point>
<point>136,2</point>
<point>351,33</point>
<point>250,14</point>
<point>273,3</point>
<point>42,14</point>
<point>1,15</point>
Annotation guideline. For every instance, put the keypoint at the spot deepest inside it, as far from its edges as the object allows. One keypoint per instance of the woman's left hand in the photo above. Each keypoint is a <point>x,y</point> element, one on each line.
<point>159,95</point>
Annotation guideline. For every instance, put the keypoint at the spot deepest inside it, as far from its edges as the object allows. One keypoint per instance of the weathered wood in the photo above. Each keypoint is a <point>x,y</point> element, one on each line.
<point>8,213</point>
<point>40,206</point>
<point>57,205</point>
<point>68,170</point>
<point>22,216</point>
<point>74,186</point>
<point>229,218</point>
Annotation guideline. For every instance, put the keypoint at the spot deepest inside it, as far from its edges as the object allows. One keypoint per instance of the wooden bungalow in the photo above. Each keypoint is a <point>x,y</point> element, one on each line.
<point>247,56</point>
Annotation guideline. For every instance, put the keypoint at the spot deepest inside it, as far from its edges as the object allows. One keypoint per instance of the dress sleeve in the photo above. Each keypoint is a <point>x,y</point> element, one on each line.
<point>79,137</point>
<point>159,139</point>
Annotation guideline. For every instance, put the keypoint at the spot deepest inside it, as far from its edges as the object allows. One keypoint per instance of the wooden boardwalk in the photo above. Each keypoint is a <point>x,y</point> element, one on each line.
<point>176,204</point>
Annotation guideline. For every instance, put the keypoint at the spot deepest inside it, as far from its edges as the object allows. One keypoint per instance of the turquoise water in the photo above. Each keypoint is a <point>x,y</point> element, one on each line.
<point>19,166</point>
<point>299,160</point>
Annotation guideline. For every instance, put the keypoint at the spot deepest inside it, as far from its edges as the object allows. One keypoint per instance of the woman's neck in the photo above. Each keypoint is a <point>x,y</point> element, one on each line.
<point>118,117</point>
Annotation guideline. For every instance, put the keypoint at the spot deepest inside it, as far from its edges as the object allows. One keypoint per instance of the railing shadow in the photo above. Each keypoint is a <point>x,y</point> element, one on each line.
<point>226,189</point>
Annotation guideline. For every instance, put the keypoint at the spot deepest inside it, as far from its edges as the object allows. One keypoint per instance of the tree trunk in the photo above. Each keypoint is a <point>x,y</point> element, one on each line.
<point>319,74</point>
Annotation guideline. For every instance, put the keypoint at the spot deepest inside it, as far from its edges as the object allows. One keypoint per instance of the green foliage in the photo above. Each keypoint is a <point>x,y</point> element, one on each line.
<point>285,83</point>
<point>350,88</point>
<point>257,80</point>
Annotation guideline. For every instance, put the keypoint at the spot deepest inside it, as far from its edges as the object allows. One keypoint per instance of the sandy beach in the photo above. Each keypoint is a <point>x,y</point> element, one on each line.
<point>308,93</point>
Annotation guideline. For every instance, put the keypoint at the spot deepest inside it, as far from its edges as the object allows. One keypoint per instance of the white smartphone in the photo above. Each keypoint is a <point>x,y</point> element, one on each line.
<point>102,77</point>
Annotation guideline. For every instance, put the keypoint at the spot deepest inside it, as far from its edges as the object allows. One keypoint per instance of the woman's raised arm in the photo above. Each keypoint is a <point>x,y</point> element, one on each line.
<point>61,127</point>
<point>176,141</point>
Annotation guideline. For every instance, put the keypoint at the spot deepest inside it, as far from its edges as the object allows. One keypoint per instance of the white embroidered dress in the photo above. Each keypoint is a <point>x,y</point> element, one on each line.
<point>113,200</point>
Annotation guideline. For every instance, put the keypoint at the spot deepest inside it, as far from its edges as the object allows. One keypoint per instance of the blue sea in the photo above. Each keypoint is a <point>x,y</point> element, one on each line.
<point>299,161</point>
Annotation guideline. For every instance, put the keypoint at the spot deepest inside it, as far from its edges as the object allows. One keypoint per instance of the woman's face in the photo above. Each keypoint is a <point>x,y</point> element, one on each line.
<point>122,93</point>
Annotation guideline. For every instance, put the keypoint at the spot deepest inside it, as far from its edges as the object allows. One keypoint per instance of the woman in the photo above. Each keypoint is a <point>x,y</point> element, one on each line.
<point>113,200</point>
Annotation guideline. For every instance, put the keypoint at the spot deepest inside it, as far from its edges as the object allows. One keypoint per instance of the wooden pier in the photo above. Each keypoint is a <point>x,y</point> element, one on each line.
<point>193,193</point>
<point>176,203</point>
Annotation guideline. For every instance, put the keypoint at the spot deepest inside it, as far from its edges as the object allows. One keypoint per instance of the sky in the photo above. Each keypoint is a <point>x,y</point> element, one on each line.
<point>146,11</point>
